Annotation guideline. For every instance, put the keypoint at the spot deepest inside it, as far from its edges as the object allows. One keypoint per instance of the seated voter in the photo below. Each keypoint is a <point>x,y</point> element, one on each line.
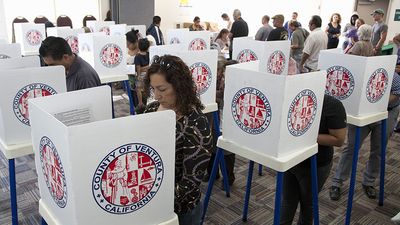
<point>79,74</point>
<point>171,81</point>
<point>297,180</point>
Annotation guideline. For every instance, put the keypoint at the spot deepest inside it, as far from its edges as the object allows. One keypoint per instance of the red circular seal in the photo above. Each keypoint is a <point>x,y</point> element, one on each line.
<point>53,171</point>
<point>201,74</point>
<point>246,55</point>
<point>251,110</point>
<point>198,44</point>
<point>339,82</point>
<point>276,62</point>
<point>377,85</point>
<point>33,37</point>
<point>20,102</point>
<point>127,178</point>
<point>105,29</point>
<point>111,55</point>
<point>302,112</point>
<point>73,43</point>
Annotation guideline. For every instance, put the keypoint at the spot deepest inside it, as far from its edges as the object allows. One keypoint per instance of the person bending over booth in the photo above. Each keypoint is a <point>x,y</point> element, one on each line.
<point>79,74</point>
<point>174,89</point>
<point>297,180</point>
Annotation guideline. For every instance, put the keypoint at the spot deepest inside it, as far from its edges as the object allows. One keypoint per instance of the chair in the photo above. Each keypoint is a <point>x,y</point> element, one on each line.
<point>64,21</point>
<point>87,18</point>
<point>18,19</point>
<point>40,19</point>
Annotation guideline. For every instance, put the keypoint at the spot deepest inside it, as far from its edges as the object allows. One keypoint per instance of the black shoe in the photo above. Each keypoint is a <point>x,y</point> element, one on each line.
<point>369,191</point>
<point>334,193</point>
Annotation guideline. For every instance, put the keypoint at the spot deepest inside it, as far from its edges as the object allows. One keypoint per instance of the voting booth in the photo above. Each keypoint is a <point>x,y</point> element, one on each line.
<point>70,35</point>
<point>176,36</point>
<point>106,54</point>
<point>29,36</point>
<point>23,62</point>
<point>10,51</point>
<point>92,171</point>
<point>362,83</point>
<point>118,29</point>
<point>193,40</point>
<point>273,55</point>
<point>272,115</point>
<point>99,26</point>
<point>20,85</point>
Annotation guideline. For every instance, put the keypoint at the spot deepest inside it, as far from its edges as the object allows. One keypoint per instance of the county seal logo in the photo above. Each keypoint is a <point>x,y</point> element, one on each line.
<point>127,178</point>
<point>105,29</point>
<point>251,110</point>
<point>339,82</point>
<point>174,40</point>
<point>20,102</point>
<point>197,44</point>
<point>377,85</point>
<point>201,74</point>
<point>246,55</point>
<point>33,37</point>
<point>111,55</point>
<point>73,43</point>
<point>302,112</point>
<point>53,171</point>
<point>276,62</point>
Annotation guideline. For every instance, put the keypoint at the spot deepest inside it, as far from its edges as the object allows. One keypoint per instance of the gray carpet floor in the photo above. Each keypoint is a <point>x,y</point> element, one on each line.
<point>223,210</point>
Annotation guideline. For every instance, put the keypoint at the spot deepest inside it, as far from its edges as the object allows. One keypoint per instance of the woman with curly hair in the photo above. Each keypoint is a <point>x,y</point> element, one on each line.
<point>174,89</point>
<point>333,30</point>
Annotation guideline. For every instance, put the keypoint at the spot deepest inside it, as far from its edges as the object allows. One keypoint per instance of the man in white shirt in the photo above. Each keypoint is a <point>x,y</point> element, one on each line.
<point>316,41</point>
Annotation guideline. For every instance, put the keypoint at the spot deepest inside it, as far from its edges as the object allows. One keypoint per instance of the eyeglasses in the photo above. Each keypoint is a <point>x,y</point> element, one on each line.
<point>165,64</point>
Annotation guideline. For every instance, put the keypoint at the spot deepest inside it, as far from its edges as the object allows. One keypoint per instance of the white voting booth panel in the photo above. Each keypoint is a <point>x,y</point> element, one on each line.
<point>106,54</point>
<point>202,64</point>
<point>361,83</point>
<point>92,171</point>
<point>100,26</point>
<point>30,36</point>
<point>140,28</point>
<point>23,62</point>
<point>196,40</point>
<point>20,85</point>
<point>273,55</point>
<point>274,115</point>
<point>175,36</point>
<point>70,35</point>
<point>10,51</point>
<point>118,29</point>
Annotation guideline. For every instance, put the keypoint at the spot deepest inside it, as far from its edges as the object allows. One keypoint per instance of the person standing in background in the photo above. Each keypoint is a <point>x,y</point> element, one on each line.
<point>299,36</point>
<point>348,28</point>
<point>263,32</point>
<point>286,26</point>
<point>239,29</point>
<point>279,33</point>
<point>154,30</point>
<point>379,30</point>
<point>333,31</point>
<point>226,18</point>
<point>196,25</point>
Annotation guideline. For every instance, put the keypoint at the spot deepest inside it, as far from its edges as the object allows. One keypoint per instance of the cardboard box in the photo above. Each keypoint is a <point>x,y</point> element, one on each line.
<point>272,115</point>
<point>273,55</point>
<point>19,85</point>
<point>70,35</point>
<point>10,51</point>
<point>30,37</point>
<point>362,83</point>
<point>92,170</point>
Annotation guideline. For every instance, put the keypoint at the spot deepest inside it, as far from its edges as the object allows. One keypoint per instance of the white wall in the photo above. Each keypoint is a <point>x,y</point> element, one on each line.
<point>75,9</point>
<point>3,29</point>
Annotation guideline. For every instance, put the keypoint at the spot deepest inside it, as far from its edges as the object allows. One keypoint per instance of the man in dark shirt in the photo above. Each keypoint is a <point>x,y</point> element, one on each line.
<point>154,30</point>
<point>279,33</point>
<point>239,29</point>
<point>79,74</point>
<point>297,180</point>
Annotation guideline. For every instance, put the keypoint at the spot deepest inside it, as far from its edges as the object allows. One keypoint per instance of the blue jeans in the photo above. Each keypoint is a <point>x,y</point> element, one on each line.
<point>192,217</point>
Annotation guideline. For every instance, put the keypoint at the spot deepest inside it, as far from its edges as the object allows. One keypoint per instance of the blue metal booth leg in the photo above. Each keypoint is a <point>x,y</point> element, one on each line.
<point>248,188</point>
<point>383,162</point>
<point>13,191</point>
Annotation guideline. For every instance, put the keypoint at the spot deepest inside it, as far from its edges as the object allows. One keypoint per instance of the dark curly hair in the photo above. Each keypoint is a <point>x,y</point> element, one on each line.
<point>176,73</point>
